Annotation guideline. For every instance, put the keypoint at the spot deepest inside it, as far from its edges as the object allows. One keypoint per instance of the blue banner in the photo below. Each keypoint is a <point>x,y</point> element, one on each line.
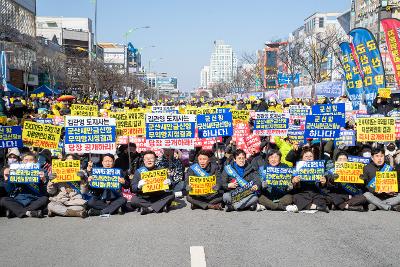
<point>370,62</point>
<point>276,176</point>
<point>309,170</point>
<point>10,136</point>
<point>359,159</point>
<point>24,173</point>
<point>285,79</point>
<point>329,89</point>
<point>331,109</point>
<point>170,126</point>
<point>215,125</point>
<point>323,126</point>
<point>106,178</point>
<point>354,81</point>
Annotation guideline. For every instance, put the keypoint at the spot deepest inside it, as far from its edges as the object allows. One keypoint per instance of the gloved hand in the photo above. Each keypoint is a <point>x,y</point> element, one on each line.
<point>141,183</point>
<point>167,181</point>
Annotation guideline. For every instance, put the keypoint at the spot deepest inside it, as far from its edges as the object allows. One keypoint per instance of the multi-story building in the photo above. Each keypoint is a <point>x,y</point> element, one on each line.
<point>74,34</point>
<point>125,58</point>
<point>17,34</point>
<point>205,76</point>
<point>223,64</point>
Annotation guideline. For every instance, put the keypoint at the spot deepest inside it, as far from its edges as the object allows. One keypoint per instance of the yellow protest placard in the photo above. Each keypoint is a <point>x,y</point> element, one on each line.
<point>154,180</point>
<point>349,172</point>
<point>381,129</point>
<point>130,123</point>
<point>240,116</point>
<point>384,92</point>
<point>41,135</point>
<point>84,110</point>
<point>386,182</point>
<point>202,185</point>
<point>66,171</point>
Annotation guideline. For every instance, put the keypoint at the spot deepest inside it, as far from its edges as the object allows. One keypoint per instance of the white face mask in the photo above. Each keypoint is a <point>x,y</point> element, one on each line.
<point>366,154</point>
<point>12,160</point>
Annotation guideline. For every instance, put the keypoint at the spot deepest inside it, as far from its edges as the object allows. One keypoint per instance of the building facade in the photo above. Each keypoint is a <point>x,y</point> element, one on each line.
<point>223,64</point>
<point>205,77</point>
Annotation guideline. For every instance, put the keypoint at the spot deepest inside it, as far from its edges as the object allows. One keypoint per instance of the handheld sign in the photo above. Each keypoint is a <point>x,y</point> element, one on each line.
<point>24,173</point>
<point>106,178</point>
<point>66,171</point>
<point>271,124</point>
<point>129,123</point>
<point>323,126</point>
<point>376,129</point>
<point>242,192</point>
<point>276,176</point>
<point>349,172</point>
<point>10,136</point>
<point>202,185</point>
<point>310,171</point>
<point>84,110</point>
<point>41,135</point>
<point>90,135</point>
<point>386,182</point>
<point>154,180</point>
<point>384,92</point>
<point>215,125</point>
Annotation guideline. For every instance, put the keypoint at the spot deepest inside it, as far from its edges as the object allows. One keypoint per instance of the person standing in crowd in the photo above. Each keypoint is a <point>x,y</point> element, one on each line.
<point>308,195</point>
<point>66,198</point>
<point>105,201</point>
<point>205,168</point>
<point>158,201</point>
<point>344,196</point>
<point>273,197</point>
<point>25,200</point>
<point>379,200</point>
<point>123,163</point>
<point>239,174</point>
<point>175,171</point>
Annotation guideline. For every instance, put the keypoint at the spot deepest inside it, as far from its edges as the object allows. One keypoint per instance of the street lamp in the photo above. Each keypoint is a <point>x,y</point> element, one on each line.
<point>132,30</point>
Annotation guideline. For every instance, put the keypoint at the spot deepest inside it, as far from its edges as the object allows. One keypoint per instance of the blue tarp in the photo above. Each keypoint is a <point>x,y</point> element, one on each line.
<point>46,90</point>
<point>14,90</point>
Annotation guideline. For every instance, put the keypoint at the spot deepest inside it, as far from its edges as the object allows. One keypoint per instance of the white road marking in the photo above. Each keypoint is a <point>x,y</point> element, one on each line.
<point>197,257</point>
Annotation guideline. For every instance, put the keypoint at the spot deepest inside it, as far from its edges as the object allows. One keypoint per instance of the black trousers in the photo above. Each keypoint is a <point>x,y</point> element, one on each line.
<point>19,210</point>
<point>106,207</point>
<point>156,201</point>
<point>338,199</point>
<point>306,199</point>
<point>204,201</point>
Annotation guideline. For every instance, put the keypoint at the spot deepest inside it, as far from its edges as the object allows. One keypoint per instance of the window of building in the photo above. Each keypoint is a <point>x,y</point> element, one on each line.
<point>321,22</point>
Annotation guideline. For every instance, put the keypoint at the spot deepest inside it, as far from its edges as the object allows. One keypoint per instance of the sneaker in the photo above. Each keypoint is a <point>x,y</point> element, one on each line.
<point>50,214</point>
<point>179,194</point>
<point>229,208</point>
<point>323,208</point>
<point>260,208</point>
<point>94,212</point>
<point>372,207</point>
<point>292,208</point>
<point>36,214</point>
<point>9,214</point>
<point>253,207</point>
<point>146,211</point>
<point>84,214</point>
<point>396,208</point>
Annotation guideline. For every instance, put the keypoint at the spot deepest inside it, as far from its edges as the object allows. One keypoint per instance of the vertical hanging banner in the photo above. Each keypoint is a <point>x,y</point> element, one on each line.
<point>90,135</point>
<point>215,125</point>
<point>41,135</point>
<point>84,110</point>
<point>129,123</point>
<point>371,63</point>
<point>271,124</point>
<point>10,136</point>
<point>354,81</point>
<point>391,28</point>
<point>166,130</point>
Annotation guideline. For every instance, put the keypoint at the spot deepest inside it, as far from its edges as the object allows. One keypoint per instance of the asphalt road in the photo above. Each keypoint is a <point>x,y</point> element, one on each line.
<point>229,239</point>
